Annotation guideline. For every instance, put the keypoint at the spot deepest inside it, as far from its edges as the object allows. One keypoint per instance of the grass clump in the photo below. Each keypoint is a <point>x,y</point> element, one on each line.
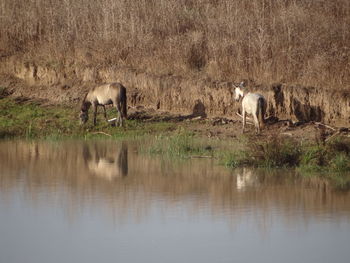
<point>181,145</point>
<point>313,158</point>
<point>277,152</point>
<point>332,157</point>
<point>233,159</point>
<point>274,152</point>
<point>340,163</point>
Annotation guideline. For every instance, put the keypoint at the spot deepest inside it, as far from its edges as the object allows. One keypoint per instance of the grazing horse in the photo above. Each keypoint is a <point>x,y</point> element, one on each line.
<point>111,93</point>
<point>246,178</point>
<point>252,103</point>
<point>105,162</point>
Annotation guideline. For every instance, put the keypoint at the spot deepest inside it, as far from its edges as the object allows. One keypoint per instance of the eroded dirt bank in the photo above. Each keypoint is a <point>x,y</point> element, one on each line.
<point>67,84</point>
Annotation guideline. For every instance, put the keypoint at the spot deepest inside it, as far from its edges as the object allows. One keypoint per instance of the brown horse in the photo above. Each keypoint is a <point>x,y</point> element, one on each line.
<point>111,93</point>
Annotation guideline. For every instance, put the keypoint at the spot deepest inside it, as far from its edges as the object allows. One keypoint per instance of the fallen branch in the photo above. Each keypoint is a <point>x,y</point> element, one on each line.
<point>194,118</point>
<point>111,120</point>
<point>332,136</point>
<point>102,133</point>
<point>324,125</point>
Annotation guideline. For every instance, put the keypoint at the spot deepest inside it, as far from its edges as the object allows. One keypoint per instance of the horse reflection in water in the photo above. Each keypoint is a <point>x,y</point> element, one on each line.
<point>246,179</point>
<point>104,163</point>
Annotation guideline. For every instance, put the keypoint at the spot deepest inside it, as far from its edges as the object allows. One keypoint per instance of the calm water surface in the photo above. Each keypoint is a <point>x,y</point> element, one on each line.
<point>104,202</point>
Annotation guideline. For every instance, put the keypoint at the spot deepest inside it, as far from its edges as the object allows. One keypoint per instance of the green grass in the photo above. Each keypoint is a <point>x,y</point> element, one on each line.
<point>333,157</point>
<point>233,157</point>
<point>340,163</point>
<point>29,120</point>
<point>34,121</point>
<point>182,145</point>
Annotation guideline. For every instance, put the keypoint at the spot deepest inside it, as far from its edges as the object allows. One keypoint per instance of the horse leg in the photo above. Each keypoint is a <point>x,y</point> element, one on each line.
<point>244,119</point>
<point>105,113</point>
<point>120,120</point>
<point>121,116</point>
<point>95,113</point>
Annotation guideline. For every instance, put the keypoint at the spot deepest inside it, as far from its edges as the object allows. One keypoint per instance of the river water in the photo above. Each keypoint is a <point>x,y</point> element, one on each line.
<point>103,201</point>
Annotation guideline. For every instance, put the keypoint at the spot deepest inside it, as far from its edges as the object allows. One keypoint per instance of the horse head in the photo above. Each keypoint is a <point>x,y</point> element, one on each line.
<point>239,91</point>
<point>83,116</point>
<point>84,111</point>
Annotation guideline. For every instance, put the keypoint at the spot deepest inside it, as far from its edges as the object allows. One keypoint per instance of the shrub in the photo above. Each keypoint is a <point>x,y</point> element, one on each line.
<point>181,145</point>
<point>275,152</point>
<point>334,156</point>
<point>340,163</point>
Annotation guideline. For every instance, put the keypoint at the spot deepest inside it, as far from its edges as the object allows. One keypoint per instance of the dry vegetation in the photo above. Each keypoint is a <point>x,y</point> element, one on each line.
<point>303,41</point>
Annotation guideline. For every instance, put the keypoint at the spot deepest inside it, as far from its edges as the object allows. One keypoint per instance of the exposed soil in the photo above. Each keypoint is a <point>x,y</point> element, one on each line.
<point>175,94</point>
<point>226,128</point>
<point>201,105</point>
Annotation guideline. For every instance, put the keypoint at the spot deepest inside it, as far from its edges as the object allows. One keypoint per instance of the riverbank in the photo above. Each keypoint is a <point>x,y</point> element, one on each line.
<point>177,136</point>
<point>28,119</point>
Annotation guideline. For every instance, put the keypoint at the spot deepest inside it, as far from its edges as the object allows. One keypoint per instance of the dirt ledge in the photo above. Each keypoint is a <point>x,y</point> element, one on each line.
<point>67,84</point>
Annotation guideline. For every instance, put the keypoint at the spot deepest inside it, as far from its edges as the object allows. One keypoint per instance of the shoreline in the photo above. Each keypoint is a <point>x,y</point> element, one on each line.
<point>186,137</point>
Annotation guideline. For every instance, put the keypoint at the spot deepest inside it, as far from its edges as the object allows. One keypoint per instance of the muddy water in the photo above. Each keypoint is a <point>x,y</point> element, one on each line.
<point>105,202</point>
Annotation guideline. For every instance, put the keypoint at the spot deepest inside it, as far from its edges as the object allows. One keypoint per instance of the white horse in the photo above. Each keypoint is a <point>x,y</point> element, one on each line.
<point>246,179</point>
<point>252,103</point>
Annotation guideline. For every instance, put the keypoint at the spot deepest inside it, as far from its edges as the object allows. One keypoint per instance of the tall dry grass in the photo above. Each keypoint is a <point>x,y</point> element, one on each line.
<point>292,41</point>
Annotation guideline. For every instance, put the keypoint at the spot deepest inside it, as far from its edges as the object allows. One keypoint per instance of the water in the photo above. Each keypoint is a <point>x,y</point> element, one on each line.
<point>105,202</point>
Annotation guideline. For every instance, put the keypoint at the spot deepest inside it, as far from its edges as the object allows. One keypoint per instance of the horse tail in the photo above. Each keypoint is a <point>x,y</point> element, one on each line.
<point>261,111</point>
<point>123,100</point>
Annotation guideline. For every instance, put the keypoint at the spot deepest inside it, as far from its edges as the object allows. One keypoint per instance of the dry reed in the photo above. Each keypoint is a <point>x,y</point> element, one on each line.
<point>291,41</point>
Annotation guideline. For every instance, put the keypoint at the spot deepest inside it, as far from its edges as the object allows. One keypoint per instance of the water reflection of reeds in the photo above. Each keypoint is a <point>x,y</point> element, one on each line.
<point>112,178</point>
